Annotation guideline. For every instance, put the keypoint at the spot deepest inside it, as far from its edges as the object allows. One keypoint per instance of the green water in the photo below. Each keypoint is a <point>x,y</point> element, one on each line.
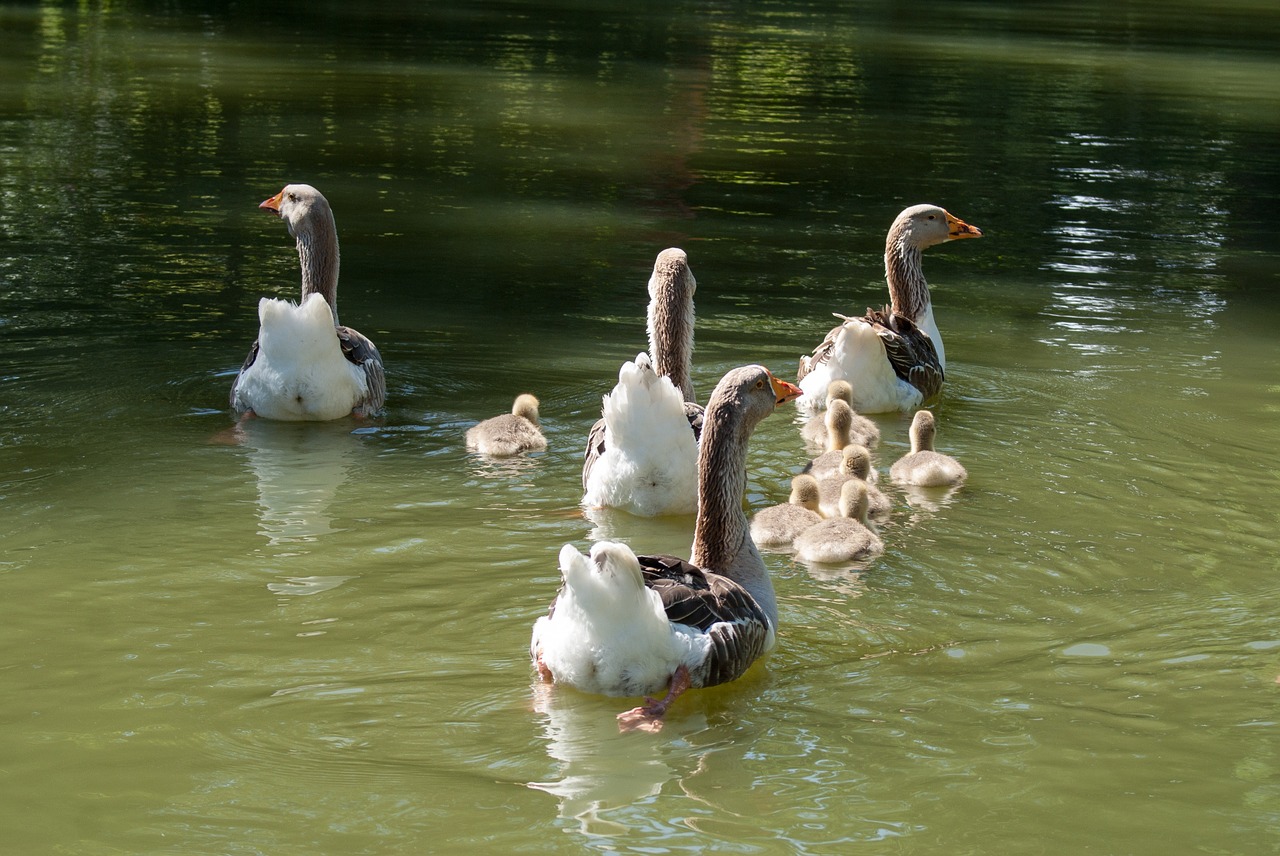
<point>313,638</point>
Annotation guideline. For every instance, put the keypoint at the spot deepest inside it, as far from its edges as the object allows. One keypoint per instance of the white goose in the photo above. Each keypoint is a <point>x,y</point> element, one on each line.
<point>844,538</point>
<point>304,365</point>
<point>641,456</point>
<point>629,625</point>
<point>893,357</point>
<point>922,465</point>
<point>509,433</point>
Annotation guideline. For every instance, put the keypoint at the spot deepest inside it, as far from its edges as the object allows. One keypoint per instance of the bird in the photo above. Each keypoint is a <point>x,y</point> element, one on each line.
<point>861,429</point>
<point>844,538</point>
<point>624,624</point>
<point>778,525</point>
<point>839,418</point>
<point>855,464</point>
<point>304,365</point>
<point>922,465</point>
<point>893,357</point>
<point>509,433</point>
<point>641,455</point>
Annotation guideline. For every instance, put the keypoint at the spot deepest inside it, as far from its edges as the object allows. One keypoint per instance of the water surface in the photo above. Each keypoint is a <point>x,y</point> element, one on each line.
<point>313,638</point>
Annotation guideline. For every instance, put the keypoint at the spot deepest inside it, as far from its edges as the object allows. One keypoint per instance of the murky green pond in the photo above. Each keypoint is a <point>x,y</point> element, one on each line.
<point>313,638</point>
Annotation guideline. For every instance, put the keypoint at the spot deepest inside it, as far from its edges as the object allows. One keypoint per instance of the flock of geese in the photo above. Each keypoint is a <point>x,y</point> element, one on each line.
<point>624,624</point>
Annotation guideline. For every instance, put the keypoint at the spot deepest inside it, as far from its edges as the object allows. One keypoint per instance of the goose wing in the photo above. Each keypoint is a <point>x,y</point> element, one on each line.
<point>360,351</point>
<point>909,349</point>
<point>717,606</point>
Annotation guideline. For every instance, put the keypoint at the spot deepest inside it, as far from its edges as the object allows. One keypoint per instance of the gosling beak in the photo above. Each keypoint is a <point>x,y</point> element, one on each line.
<point>273,204</point>
<point>957,228</point>
<point>784,391</point>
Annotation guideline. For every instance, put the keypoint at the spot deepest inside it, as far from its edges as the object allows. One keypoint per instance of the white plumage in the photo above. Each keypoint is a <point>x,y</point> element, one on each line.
<point>649,465</point>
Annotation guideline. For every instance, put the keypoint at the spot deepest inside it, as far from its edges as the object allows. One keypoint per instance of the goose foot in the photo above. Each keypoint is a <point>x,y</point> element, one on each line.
<point>648,717</point>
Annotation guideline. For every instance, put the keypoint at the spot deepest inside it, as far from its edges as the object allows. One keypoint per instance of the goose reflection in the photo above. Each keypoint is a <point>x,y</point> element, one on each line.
<point>300,469</point>
<point>600,770</point>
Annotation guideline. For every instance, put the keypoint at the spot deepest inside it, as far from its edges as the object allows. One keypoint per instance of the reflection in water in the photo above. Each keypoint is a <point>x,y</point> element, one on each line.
<point>299,469</point>
<point>601,769</point>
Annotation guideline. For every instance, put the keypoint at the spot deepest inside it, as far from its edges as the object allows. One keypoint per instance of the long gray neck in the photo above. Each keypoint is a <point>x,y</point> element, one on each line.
<point>318,255</point>
<point>671,335</point>
<point>908,291</point>
<point>721,535</point>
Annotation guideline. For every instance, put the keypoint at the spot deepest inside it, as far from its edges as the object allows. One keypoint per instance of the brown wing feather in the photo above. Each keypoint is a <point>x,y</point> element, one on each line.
<point>715,605</point>
<point>909,349</point>
<point>358,350</point>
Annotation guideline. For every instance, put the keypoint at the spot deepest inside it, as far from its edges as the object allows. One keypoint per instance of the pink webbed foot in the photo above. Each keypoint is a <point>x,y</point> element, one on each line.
<point>648,717</point>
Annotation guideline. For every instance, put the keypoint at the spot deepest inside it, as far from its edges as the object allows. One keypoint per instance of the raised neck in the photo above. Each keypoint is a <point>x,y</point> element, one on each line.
<point>318,256</point>
<point>908,291</point>
<point>721,536</point>
<point>670,320</point>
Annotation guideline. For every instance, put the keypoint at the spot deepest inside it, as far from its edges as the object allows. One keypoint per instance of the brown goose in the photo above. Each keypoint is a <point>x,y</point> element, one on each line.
<point>922,465</point>
<point>628,625</point>
<point>509,433</point>
<point>893,357</point>
<point>304,365</point>
<point>641,455</point>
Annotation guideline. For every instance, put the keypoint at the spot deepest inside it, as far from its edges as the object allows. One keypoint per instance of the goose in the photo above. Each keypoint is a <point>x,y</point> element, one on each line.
<point>778,525</point>
<point>624,624</point>
<point>922,465</point>
<point>861,429</point>
<point>509,433</point>
<point>893,357</point>
<point>641,455</point>
<point>844,538</point>
<point>855,464</point>
<point>839,418</point>
<point>304,365</point>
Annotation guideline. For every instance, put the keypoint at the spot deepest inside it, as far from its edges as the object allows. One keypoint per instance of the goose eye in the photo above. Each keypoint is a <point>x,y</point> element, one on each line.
<point>759,384</point>
<point>294,198</point>
<point>932,217</point>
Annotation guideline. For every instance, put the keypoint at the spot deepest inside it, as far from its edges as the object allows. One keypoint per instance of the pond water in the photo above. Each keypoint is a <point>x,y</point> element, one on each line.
<point>313,638</point>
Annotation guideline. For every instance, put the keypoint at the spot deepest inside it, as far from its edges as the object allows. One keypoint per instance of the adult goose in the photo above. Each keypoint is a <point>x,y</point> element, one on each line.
<point>624,624</point>
<point>304,365</point>
<point>641,455</point>
<point>892,357</point>
<point>922,465</point>
<point>509,433</point>
<point>778,525</point>
<point>845,538</point>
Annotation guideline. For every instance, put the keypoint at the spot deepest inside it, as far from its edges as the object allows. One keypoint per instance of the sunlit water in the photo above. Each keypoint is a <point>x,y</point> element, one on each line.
<point>313,638</point>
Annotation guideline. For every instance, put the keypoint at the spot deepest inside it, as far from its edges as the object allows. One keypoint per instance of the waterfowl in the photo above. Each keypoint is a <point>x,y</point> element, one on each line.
<point>641,455</point>
<point>861,429</point>
<point>304,365</point>
<point>778,525</point>
<point>844,538</point>
<point>509,433</point>
<point>855,464</point>
<point>892,357</point>
<point>839,419</point>
<point>922,465</point>
<point>624,624</point>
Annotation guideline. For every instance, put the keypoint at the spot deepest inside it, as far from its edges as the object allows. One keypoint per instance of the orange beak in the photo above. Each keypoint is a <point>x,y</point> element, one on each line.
<point>273,204</point>
<point>784,391</point>
<point>957,228</point>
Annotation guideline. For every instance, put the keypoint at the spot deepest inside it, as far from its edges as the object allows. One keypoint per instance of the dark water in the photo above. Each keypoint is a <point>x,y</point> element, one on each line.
<point>312,639</point>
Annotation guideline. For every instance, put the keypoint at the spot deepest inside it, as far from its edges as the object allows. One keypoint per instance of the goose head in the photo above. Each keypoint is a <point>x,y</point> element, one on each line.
<point>301,207</point>
<point>805,492</point>
<point>854,502</point>
<point>922,226</point>
<point>526,406</point>
<point>923,430</point>
<point>856,461</point>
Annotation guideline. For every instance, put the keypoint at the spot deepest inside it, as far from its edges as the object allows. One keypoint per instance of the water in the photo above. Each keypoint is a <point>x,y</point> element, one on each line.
<point>313,638</point>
